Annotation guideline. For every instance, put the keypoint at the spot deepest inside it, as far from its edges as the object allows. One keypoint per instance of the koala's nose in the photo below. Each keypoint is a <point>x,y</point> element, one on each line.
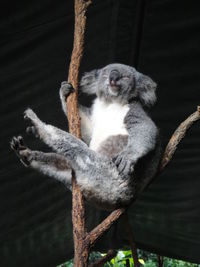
<point>114,77</point>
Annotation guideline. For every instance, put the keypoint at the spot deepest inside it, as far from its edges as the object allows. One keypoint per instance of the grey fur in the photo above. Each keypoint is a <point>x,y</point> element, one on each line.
<point>115,173</point>
<point>134,85</point>
<point>50,164</point>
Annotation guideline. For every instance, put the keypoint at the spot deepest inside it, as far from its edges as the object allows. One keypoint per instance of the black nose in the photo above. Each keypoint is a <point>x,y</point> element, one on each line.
<point>114,77</point>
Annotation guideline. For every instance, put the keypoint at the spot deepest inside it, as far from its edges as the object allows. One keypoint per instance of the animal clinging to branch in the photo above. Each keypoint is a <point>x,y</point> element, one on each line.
<point>120,150</point>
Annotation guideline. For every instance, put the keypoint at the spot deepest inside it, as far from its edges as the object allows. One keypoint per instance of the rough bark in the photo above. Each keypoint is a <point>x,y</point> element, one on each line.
<point>81,250</point>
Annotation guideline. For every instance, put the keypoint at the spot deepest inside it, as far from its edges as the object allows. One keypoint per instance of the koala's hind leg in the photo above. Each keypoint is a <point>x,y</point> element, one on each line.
<point>50,164</point>
<point>96,174</point>
<point>80,157</point>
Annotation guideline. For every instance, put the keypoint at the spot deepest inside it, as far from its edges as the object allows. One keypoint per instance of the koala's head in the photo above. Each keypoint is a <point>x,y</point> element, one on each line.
<point>120,83</point>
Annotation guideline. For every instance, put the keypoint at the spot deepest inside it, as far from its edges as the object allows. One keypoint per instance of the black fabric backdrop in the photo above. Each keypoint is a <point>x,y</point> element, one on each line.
<point>162,39</point>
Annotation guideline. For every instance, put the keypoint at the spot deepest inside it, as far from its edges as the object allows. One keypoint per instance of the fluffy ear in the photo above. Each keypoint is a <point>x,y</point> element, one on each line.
<point>146,90</point>
<point>88,83</point>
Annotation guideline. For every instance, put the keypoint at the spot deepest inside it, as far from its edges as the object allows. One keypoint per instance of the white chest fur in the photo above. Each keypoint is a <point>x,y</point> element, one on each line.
<point>107,120</point>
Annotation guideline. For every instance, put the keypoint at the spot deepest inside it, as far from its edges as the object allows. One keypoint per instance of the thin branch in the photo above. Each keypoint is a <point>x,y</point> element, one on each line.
<point>177,136</point>
<point>97,232</point>
<point>160,261</point>
<point>109,256</point>
<point>131,240</point>
<point>128,263</point>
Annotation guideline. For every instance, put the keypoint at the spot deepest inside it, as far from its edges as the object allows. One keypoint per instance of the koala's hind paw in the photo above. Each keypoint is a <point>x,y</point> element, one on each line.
<point>66,89</point>
<point>23,153</point>
<point>17,143</point>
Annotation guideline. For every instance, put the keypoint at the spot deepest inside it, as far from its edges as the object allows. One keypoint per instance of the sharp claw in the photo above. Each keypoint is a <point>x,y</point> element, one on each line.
<point>12,145</point>
<point>122,168</point>
<point>118,161</point>
<point>21,141</point>
<point>25,162</point>
<point>17,143</point>
<point>15,139</point>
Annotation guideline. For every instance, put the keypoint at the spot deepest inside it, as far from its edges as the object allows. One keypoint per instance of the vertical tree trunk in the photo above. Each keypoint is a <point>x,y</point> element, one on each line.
<point>81,249</point>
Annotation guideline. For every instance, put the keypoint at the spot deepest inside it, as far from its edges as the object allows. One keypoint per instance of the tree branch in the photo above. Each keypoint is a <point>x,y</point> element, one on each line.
<point>109,256</point>
<point>131,240</point>
<point>81,250</point>
<point>177,136</point>
<point>97,232</point>
<point>160,261</point>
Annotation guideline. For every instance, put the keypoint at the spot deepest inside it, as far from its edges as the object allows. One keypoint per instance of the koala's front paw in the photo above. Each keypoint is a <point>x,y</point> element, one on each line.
<point>66,89</point>
<point>24,154</point>
<point>124,165</point>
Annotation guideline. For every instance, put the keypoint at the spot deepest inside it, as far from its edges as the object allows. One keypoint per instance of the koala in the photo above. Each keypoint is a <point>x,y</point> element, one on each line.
<point>120,148</point>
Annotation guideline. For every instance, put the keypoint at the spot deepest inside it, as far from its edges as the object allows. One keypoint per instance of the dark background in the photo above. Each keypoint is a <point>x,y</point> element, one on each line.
<point>161,38</point>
